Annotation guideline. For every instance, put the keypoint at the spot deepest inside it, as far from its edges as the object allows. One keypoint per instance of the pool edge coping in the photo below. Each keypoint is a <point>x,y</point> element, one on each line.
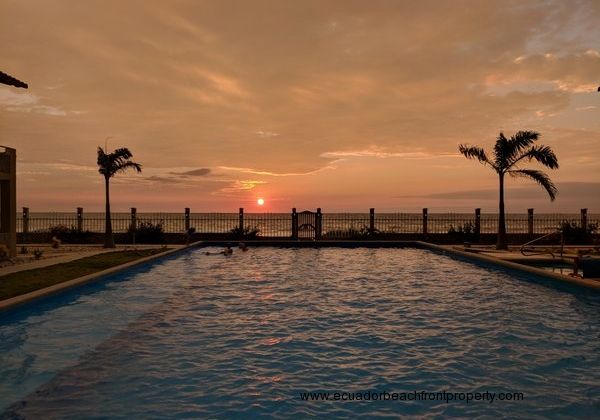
<point>581,282</point>
<point>15,301</point>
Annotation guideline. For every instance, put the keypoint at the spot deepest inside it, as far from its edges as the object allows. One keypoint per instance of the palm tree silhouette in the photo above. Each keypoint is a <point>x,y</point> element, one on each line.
<point>508,154</point>
<point>109,164</point>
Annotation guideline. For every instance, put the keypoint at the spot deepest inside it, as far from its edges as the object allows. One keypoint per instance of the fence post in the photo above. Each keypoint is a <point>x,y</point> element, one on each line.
<point>187,219</point>
<point>318,224</point>
<point>25,219</point>
<point>79,219</point>
<point>530,221</point>
<point>241,223</point>
<point>372,220</point>
<point>584,223</point>
<point>133,225</point>
<point>294,224</point>
<point>425,221</point>
<point>477,222</point>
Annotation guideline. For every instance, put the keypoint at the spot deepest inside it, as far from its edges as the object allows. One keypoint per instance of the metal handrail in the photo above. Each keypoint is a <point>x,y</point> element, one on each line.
<point>545,251</point>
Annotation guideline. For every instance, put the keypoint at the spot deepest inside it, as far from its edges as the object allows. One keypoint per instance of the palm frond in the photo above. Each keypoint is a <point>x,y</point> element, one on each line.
<point>519,142</point>
<point>474,152</point>
<point>129,165</point>
<point>540,177</point>
<point>543,154</point>
<point>118,161</point>
<point>122,153</point>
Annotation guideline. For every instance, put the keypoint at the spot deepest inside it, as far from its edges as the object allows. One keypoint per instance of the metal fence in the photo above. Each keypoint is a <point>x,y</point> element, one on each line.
<point>329,225</point>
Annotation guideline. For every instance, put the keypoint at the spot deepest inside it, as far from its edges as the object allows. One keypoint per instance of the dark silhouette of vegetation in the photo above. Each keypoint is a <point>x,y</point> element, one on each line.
<point>71,235</point>
<point>574,234</point>
<point>508,154</point>
<point>147,233</point>
<point>245,233</point>
<point>364,232</point>
<point>464,232</point>
<point>109,164</point>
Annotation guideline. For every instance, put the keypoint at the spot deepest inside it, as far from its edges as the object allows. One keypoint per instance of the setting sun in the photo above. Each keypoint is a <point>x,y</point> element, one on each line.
<point>260,201</point>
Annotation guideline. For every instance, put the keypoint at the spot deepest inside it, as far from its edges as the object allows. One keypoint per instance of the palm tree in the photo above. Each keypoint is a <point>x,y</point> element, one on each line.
<point>109,164</point>
<point>508,154</point>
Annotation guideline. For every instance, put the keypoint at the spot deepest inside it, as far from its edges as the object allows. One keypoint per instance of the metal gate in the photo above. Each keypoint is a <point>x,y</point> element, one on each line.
<point>306,224</point>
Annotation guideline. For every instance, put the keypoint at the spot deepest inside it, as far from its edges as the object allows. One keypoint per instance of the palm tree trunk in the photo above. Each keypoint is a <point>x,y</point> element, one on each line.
<point>501,240</point>
<point>109,241</point>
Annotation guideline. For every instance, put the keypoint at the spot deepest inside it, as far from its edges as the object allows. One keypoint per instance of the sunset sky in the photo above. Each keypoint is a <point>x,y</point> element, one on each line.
<point>343,105</point>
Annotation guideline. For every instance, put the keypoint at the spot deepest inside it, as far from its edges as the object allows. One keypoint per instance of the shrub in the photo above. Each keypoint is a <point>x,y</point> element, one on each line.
<point>37,253</point>
<point>147,233</point>
<point>364,232</point>
<point>465,232</point>
<point>70,235</point>
<point>350,233</point>
<point>369,233</point>
<point>245,233</point>
<point>572,233</point>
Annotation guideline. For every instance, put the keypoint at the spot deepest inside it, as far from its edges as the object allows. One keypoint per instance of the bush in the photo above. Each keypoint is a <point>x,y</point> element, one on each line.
<point>464,233</point>
<point>350,233</point>
<point>37,253</point>
<point>364,232</point>
<point>71,235</point>
<point>147,233</point>
<point>572,233</point>
<point>246,233</point>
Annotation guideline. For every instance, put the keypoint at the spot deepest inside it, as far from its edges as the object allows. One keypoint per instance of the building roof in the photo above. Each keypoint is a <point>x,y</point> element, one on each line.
<point>11,81</point>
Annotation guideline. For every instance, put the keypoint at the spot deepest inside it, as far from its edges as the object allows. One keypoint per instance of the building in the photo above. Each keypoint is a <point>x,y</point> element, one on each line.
<point>8,185</point>
<point>8,200</point>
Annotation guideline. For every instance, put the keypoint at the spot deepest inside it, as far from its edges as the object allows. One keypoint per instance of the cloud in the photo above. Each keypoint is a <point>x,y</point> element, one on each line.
<point>193,172</point>
<point>275,174</point>
<point>60,166</point>
<point>266,134</point>
<point>162,179</point>
<point>239,186</point>
<point>381,154</point>
<point>571,72</point>
<point>26,102</point>
<point>578,191</point>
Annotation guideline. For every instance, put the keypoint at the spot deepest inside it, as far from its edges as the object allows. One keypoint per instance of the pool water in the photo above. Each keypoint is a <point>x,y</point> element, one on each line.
<point>243,336</point>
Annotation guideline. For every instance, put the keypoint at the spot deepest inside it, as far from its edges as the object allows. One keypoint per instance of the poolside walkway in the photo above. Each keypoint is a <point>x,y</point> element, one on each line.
<point>61,255</point>
<point>514,253</point>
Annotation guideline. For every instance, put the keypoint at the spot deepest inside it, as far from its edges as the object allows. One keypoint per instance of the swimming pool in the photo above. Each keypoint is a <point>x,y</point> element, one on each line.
<point>244,336</point>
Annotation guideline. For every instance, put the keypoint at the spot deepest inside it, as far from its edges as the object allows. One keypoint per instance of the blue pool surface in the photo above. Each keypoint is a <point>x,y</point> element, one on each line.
<point>217,337</point>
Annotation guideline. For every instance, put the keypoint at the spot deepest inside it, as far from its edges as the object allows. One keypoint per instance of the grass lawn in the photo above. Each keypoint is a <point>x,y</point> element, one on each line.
<point>16,284</point>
